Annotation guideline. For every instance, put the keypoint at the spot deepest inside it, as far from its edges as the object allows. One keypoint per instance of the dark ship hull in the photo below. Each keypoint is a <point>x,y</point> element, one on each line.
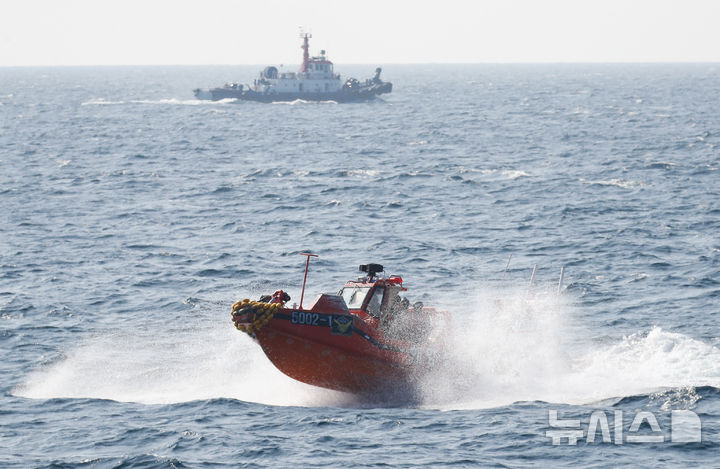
<point>361,93</point>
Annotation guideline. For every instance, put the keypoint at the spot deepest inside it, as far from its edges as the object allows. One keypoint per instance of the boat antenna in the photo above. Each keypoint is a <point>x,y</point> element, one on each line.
<point>306,49</point>
<point>562,277</point>
<point>307,265</point>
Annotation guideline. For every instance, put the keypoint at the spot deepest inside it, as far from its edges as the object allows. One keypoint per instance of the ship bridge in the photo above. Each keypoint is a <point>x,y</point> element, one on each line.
<point>319,68</point>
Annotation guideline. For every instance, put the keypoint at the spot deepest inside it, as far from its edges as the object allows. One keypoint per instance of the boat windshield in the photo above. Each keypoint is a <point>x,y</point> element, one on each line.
<point>375,302</point>
<point>354,296</point>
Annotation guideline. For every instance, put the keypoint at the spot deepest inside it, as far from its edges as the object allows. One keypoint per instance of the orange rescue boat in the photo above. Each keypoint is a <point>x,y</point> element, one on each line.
<point>365,339</point>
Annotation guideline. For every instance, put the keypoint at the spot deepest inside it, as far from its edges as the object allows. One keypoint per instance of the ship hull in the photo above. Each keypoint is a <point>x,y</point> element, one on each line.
<point>348,364</point>
<point>331,348</point>
<point>217,94</point>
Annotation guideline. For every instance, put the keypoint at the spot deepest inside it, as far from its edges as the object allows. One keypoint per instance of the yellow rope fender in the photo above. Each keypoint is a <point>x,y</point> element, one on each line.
<point>260,314</point>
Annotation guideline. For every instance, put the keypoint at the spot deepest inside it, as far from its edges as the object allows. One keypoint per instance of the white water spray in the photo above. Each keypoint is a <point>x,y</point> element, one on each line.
<point>162,367</point>
<point>517,347</point>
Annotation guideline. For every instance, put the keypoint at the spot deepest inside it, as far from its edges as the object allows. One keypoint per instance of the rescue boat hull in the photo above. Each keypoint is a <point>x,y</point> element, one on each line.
<point>330,366</point>
<point>332,351</point>
<point>327,346</point>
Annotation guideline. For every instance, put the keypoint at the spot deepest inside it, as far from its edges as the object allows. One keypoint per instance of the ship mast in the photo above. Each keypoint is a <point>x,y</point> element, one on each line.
<point>305,47</point>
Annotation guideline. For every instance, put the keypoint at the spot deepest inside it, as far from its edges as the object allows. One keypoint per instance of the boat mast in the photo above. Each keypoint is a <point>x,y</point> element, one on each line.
<point>307,264</point>
<point>305,47</point>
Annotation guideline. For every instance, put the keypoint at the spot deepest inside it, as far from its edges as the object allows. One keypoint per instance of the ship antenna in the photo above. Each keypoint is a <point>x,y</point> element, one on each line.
<point>306,49</point>
<point>307,265</point>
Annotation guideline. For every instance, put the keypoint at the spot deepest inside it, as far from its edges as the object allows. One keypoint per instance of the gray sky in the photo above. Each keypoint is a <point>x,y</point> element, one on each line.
<point>114,32</point>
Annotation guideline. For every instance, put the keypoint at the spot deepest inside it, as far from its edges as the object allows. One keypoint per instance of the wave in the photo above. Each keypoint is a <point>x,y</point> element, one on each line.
<point>614,182</point>
<point>360,173</point>
<point>507,173</point>
<point>514,174</point>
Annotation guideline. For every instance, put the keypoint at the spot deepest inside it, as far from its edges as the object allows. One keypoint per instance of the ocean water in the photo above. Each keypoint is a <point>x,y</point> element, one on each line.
<point>132,216</point>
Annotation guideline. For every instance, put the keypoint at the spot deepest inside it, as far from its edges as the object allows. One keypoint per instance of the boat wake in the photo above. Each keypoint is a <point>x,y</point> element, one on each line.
<point>100,102</point>
<point>184,102</point>
<point>521,349</point>
<point>500,352</point>
<point>303,101</point>
<point>197,362</point>
<point>168,101</point>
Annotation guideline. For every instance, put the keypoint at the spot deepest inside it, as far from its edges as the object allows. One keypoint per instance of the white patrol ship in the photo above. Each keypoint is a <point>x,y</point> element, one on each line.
<point>315,81</point>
